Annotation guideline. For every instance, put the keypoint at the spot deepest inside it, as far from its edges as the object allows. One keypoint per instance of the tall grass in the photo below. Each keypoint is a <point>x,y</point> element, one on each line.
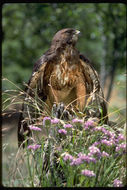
<point>78,152</point>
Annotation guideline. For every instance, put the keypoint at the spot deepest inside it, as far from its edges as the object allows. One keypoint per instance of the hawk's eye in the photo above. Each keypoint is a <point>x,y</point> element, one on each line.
<point>69,32</point>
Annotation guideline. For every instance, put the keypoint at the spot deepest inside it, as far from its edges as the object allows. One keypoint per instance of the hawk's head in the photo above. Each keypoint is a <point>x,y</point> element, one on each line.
<point>66,36</point>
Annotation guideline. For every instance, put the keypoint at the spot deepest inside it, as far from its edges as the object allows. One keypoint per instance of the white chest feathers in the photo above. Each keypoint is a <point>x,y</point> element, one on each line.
<point>63,73</point>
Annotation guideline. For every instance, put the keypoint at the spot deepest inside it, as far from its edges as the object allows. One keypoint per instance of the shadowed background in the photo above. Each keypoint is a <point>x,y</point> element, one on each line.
<point>27,32</point>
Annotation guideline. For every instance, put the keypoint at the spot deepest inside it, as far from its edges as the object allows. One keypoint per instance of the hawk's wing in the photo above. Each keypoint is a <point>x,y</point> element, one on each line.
<point>34,87</point>
<point>96,104</point>
<point>38,71</point>
<point>35,81</point>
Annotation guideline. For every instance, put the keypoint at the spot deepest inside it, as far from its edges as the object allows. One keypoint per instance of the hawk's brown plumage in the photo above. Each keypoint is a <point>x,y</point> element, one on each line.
<point>62,74</point>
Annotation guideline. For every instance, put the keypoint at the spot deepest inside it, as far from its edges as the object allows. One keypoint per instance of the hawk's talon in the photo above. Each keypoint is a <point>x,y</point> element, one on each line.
<point>60,112</point>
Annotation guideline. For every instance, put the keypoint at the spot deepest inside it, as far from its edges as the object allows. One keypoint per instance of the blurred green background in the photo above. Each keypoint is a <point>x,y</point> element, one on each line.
<point>28,29</point>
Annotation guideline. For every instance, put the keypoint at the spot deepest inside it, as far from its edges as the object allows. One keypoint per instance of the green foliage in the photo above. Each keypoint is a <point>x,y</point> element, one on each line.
<point>60,159</point>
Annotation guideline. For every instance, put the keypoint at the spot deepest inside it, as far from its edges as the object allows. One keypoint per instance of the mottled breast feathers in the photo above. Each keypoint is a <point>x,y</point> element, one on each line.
<point>62,74</point>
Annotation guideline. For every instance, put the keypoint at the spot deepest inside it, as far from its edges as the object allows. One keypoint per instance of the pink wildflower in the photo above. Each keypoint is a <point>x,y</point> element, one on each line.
<point>68,157</point>
<point>62,131</point>
<point>55,121</point>
<point>88,173</point>
<point>97,129</point>
<point>86,158</point>
<point>77,120</point>
<point>34,147</point>
<point>46,121</point>
<point>81,159</point>
<point>94,150</point>
<point>95,143</point>
<point>76,161</point>
<point>107,142</point>
<point>68,126</point>
<point>117,183</point>
<point>121,137</point>
<point>34,128</point>
<point>89,124</point>
<point>104,130</point>
<point>105,154</point>
<point>111,135</point>
<point>120,147</point>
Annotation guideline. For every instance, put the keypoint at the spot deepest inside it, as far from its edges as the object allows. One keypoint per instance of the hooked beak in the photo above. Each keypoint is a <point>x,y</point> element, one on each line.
<point>77,32</point>
<point>75,36</point>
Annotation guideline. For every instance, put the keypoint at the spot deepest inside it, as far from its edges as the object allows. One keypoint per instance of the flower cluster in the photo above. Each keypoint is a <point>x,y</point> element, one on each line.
<point>76,161</point>
<point>108,142</point>
<point>46,121</point>
<point>98,129</point>
<point>62,131</point>
<point>86,158</point>
<point>121,146</point>
<point>80,160</point>
<point>68,126</point>
<point>77,120</point>
<point>34,147</point>
<point>94,151</point>
<point>104,154</point>
<point>96,143</point>
<point>95,146</point>
<point>121,137</point>
<point>105,131</point>
<point>68,157</point>
<point>88,173</point>
<point>89,124</point>
<point>55,121</point>
<point>35,128</point>
<point>117,183</point>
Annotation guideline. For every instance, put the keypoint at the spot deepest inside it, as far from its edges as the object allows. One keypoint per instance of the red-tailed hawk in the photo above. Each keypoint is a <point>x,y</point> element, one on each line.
<point>62,74</point>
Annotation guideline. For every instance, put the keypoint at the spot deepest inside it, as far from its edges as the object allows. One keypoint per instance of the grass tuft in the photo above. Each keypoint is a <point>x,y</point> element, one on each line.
<point>79,152</point>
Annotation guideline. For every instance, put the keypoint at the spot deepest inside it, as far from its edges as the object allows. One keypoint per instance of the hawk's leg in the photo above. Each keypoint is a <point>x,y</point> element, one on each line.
<point>60,112</point>
<point>23,131</point>
<point>81,95</point>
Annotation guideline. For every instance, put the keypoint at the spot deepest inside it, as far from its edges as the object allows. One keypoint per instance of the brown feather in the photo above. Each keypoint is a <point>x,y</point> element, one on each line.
<point>62,74</point>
